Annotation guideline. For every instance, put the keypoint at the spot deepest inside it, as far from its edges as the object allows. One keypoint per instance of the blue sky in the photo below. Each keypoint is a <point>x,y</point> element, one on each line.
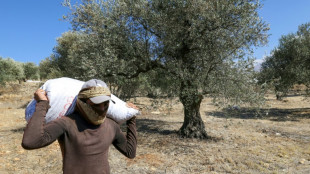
<point>284,17</point>
<point>29,28</point>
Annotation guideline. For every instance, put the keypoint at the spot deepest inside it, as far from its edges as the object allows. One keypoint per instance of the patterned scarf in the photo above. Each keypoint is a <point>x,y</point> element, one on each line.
<point>89,113</point>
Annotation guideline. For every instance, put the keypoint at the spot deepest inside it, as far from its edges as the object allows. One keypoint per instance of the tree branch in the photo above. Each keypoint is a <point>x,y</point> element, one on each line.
<point>152,65</point>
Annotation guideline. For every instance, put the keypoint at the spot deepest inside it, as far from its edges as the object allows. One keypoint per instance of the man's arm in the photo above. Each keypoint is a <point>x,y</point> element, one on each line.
<point>37,134</point>
<point>127,145</point>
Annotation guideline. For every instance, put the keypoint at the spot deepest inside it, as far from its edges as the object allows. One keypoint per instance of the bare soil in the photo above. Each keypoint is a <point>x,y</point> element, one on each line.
<point>276,141</point>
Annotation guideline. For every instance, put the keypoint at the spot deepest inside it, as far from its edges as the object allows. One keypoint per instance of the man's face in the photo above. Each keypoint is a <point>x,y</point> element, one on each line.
<point>101,108</point>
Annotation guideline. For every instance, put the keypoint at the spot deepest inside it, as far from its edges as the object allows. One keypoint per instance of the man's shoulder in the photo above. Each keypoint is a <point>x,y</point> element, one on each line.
<point>111,121</point>
<point>69,118</point>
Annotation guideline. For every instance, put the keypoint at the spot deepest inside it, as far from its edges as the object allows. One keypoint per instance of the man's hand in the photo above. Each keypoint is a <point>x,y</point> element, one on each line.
<point>40,94</point>
<point>131,105</point>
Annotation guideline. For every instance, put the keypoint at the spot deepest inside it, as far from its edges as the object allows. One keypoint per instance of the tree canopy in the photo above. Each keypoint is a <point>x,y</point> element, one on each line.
<point>191,44</point>
<point>31,70</point>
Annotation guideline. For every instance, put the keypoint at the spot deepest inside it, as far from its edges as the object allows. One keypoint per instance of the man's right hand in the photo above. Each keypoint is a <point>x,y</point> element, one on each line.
<point>40,94</point>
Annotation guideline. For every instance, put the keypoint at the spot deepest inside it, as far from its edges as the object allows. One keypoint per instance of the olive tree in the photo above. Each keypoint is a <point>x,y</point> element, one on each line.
<point>185,41</point>
<point>31,70</point>
<point>289,63</point>
<point>10,70</point>
<point>48,69</point>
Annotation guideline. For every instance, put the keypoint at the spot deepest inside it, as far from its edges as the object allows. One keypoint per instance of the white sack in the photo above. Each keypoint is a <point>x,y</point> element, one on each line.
<point>62,94</point>
<point>119,112</point>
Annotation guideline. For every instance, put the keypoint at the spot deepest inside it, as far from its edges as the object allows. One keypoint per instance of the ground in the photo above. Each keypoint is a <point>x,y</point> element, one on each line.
<point>276,141</point>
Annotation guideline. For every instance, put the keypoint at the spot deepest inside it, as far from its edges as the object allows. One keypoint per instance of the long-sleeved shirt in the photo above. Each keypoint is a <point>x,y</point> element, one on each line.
<point>84,146</point>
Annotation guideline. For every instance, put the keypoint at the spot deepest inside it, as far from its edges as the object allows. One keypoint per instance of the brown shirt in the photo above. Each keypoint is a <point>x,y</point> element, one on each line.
<point>84,146</point>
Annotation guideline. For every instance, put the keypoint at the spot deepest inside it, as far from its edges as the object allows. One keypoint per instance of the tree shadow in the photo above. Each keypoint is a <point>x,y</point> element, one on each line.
<point>274,114</point>
<point>18,130</point>
<point>155,127</point>
<point>7,132</point>
<point>159,127</point>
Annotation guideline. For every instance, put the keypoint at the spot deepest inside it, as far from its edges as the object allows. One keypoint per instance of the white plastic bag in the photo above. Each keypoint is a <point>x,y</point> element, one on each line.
<point>119,112</point>
<point>62,94</point>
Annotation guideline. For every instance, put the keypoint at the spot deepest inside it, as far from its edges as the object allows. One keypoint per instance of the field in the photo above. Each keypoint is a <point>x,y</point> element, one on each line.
<point>278,141</point>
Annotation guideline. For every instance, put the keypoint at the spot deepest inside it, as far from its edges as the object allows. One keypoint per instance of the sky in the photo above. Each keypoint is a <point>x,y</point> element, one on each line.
<point>29,28</point>
<point>283,17</point>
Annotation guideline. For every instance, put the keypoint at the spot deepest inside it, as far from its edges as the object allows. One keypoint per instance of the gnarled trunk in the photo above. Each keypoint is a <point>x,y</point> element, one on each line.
<point>193,126</point>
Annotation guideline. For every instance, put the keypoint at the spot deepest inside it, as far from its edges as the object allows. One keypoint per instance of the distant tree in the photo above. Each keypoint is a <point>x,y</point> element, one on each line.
<point>10,70</point>
<point>48,69</point>
<point>31,71</point>
<point>184,41</point>
<point>234,84</point>
<point>289,63</point>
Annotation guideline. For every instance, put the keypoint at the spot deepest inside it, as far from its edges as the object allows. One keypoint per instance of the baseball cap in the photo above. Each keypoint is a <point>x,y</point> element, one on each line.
<point>96,90</point>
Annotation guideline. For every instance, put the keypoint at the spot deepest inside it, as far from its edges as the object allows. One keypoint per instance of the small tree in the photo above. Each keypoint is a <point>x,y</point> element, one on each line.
<point>10,70</point>
<point>31,71</point>
<point>48,69</point>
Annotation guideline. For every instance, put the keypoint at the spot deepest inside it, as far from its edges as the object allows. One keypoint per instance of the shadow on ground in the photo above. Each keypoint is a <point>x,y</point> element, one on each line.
<point>147,126</point>
<point>159,127</point>
<point>155,127</point>
<point>273,114</point>
<point>17,130</point>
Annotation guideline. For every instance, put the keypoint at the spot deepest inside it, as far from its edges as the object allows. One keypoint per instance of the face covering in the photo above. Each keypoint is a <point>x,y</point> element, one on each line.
<point>102,108</point>
<point>93,115</point>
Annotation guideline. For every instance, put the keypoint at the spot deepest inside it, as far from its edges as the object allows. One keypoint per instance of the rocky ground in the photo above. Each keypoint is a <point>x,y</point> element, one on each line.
<point>278,141</point>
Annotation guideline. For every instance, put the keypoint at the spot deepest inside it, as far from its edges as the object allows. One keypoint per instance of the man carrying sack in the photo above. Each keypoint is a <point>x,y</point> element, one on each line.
<point>85,135</point>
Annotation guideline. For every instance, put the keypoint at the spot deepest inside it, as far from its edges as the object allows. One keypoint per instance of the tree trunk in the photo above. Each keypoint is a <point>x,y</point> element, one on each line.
<point>193,126</point>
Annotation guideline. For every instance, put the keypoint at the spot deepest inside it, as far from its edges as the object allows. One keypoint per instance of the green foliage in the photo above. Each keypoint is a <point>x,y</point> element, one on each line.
<point>235,84</point>
<point>31,71</point>
<point>157,83</point>
<point>289,63</point>
<point>48,69</point>
<point>179,40</point>
<point>82,56</point>
<point>10,70</point>
<point>178,46</point>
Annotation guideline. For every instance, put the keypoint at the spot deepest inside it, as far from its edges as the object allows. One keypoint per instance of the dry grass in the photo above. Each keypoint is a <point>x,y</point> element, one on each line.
<point>277,142</point>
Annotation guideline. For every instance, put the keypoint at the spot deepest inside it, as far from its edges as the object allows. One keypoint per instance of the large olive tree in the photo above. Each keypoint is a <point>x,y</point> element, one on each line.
<point>186,41</point>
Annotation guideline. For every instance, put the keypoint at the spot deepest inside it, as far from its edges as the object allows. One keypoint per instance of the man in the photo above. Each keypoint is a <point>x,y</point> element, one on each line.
<point>85,135</point>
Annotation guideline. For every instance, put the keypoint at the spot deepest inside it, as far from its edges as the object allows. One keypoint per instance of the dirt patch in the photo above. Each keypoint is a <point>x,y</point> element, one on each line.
<point>241,143</point>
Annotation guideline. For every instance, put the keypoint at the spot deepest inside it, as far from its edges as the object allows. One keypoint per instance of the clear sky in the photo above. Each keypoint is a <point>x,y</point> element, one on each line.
<point>284,17</point>
<point>29,28</point>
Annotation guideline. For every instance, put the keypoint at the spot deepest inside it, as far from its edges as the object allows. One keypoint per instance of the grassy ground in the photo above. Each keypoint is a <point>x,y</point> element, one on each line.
<point>276,142</point>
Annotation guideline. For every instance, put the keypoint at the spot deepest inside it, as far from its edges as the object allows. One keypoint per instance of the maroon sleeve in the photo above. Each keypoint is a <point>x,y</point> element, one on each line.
<point>127,144</point>
<point>37,133</point>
